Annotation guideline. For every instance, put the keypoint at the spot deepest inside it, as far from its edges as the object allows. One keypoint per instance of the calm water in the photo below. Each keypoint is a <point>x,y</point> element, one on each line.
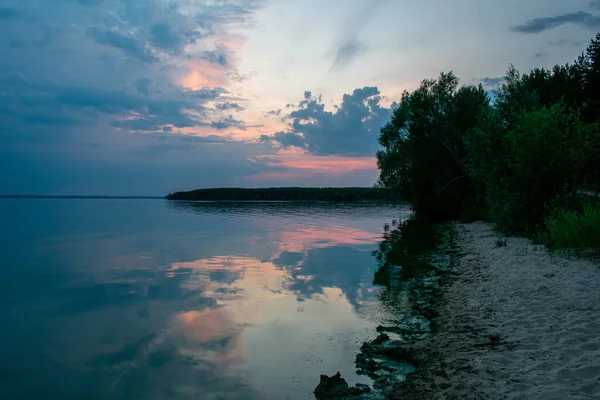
<point>146,299</point>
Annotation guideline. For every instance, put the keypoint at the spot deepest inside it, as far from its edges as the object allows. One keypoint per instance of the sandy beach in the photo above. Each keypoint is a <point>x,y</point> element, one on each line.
<point>513,322</point>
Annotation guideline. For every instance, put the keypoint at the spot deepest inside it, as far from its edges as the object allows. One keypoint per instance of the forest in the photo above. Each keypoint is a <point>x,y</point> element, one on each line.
<point>524,156</point>
<point>285,194</point>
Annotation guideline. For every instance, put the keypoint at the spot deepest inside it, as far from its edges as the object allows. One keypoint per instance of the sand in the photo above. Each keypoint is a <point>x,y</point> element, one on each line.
<point>513,322</point>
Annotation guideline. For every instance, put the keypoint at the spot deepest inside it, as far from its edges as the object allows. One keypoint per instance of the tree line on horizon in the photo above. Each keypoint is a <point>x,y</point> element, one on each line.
<point>520,158</point>
<point>285,194</point>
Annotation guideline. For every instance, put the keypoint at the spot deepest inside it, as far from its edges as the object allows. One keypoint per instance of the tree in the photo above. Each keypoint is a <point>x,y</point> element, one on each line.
<point>525,168</point>
<point>424,157</point>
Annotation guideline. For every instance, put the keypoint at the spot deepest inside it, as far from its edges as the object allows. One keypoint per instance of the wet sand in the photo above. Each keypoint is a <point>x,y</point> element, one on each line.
<point>513,322</point>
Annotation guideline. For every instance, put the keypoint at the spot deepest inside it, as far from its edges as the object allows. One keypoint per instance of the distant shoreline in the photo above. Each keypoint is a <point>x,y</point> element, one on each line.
<point>337,194</point>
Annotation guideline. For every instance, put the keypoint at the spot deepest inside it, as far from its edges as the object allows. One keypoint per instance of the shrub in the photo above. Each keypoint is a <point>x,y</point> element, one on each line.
<point>572,229</point>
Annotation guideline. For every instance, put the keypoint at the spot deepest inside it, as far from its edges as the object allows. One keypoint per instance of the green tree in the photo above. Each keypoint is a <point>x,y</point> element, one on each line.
<point>525,168</point>
<point>424,157</point>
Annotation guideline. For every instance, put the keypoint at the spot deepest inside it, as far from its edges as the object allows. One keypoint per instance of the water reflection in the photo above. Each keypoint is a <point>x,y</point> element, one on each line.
<point>159,300</point>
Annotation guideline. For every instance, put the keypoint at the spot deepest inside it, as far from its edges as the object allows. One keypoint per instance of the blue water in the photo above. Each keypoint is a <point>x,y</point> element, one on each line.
<point>149,299</point>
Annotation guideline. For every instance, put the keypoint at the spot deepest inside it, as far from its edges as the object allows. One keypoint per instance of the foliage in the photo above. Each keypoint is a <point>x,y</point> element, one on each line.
<point>423,157</point>
<point>573,229</point>
<point>452,152</point>
<point>525,168</point>
<point>284,194</point>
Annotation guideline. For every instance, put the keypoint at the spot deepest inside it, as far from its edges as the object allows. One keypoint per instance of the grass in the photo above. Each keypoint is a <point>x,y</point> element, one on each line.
<point>577,230</point>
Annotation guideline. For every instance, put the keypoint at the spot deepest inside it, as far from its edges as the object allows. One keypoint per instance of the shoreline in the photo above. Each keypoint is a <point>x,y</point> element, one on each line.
<point>511,322</point>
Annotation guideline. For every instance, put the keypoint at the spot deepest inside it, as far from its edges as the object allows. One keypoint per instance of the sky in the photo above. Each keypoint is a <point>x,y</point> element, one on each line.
<point>147,97</point>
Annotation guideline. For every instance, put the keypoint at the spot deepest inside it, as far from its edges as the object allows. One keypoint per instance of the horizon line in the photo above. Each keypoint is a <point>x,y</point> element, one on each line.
<point>78,196</point>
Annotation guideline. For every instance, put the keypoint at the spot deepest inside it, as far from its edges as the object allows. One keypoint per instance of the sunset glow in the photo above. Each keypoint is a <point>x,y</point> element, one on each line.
<point>188,94</point>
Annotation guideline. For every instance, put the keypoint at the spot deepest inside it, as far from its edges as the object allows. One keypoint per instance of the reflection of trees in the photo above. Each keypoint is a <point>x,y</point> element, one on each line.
<point>405,257</point>
<point>283,209</point>
<point>402,254</point>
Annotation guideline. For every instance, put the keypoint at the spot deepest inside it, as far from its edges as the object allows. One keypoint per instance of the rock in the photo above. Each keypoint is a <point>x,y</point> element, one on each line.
<point>331,388</point>
<point>382,338</point>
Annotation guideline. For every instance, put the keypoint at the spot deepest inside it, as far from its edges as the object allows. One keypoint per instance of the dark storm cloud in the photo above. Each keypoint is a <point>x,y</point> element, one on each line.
<point>595,4</point>
<point>351,129</point>
<point>537,25</point>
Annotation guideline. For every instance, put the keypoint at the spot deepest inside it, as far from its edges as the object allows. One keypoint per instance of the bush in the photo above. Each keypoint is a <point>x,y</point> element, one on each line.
<point>571,229</point>
<point>525,168</point>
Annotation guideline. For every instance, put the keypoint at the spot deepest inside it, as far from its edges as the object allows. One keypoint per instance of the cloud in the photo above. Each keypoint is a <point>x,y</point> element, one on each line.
<point>348,46</point>
<point>491,83</point>
<point>228,123</point>
<point>117,62</point>
<point>11,13</point>
<point>129,45</point>
<point>538,25</point>
<point>112,70</point>
<point>351,129</point>
<point>206,94</point>
<point>347,52</point>
<point>595,4</point>
<point>567,42</point>
<point>216,57</point>
<point>142,85</point>
<point>90,2</point>
<point>229,106</point>
<point>75,105</point>
<point>541,55</point>
<point>285,139</point>
<point>163,37</point>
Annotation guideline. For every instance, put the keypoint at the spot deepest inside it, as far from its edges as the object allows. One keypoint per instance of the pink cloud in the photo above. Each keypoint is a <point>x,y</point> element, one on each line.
<point>298,161</point>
